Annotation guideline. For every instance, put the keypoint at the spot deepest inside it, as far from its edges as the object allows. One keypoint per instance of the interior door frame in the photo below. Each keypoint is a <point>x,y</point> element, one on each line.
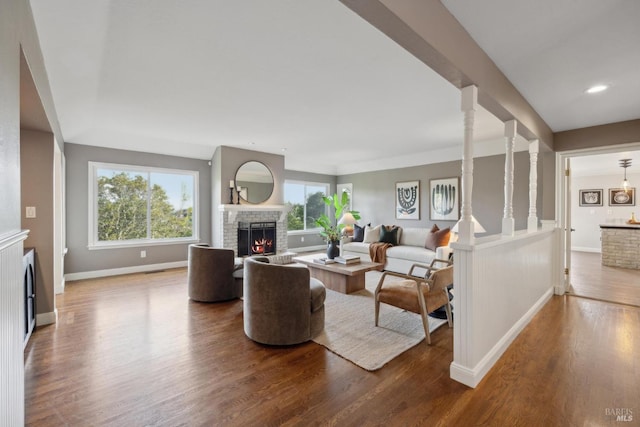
<point>563,201</point>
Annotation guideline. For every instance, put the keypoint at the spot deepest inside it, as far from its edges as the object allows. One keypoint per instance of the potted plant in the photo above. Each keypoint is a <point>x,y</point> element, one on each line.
<point>332,230</point>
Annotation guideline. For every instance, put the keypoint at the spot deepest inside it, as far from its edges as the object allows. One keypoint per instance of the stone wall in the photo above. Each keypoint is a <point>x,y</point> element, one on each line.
<point>229,229</point>
<point>621,247</point>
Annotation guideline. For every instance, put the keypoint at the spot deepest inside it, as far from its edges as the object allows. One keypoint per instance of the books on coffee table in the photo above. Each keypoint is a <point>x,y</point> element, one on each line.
<point>347,259</point>
<point>323,260</point>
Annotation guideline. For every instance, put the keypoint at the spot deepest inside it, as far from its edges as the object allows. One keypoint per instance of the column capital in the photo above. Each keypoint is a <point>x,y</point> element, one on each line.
<point>510,128</point>
<point>470,98</point>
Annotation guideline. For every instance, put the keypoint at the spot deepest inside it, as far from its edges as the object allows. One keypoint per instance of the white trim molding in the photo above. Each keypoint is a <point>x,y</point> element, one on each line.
<point>471,377</point>
<point>235,209</point>
<point>124,270</point>
<point>47,318</point>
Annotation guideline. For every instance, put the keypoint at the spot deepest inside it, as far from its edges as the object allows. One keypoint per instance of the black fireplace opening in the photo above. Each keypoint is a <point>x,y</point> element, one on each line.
<point>256,238</point>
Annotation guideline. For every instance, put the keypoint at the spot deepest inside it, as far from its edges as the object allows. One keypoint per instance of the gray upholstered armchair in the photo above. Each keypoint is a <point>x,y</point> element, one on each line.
<point>283,305</point>
<point>212,274</point>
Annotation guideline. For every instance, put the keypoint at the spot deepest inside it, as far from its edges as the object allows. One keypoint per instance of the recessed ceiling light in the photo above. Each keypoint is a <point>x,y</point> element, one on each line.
<point>596,89</point>
<point>284,149</point>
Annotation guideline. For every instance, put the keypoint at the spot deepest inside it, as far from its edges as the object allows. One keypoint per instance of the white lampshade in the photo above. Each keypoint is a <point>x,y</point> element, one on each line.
<point>477,227</point>
<point>347,219</point>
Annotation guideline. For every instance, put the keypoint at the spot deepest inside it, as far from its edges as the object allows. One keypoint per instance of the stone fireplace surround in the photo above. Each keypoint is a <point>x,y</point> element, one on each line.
<point>230,215</point>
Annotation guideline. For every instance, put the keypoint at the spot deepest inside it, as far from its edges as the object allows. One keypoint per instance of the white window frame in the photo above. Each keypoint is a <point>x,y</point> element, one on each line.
<point>94,243</point>
<point>326,209</point>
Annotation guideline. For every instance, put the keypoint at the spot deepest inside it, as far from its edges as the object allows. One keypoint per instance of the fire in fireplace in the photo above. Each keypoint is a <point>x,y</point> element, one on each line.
<point>256,238</point>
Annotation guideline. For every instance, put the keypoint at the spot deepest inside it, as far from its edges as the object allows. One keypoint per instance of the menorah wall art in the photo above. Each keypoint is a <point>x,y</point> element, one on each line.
<point>592,197</point>
<point>444,198</point>
<point>408,200</point>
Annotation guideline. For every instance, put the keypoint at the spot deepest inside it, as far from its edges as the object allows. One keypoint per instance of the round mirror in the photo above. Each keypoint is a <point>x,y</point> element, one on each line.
<point>254,182</point>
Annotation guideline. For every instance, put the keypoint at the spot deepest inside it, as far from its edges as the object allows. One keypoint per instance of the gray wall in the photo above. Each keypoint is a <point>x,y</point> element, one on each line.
<point>232,158</point>
<point>226,161</point>
<point>17,31</point>
<point>374,192</point>
<point>36,152</point>
<point>79,258</point>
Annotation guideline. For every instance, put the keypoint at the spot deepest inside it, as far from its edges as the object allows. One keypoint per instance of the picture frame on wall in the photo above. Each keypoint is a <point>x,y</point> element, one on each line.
<point>408,200</point>
<point>591,197</point>
<point>444,199</point>
<point>622,197</point>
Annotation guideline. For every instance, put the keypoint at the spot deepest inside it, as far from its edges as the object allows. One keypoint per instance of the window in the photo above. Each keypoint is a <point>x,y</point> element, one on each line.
<point>305,203</point>
<point>135,205</point>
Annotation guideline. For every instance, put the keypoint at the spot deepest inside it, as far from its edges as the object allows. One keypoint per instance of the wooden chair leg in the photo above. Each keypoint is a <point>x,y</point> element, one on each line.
<point>449,316</point>
<point>447,307</point>
<point>377,310</point>
<point>425,325</point>
<point>425,319</point>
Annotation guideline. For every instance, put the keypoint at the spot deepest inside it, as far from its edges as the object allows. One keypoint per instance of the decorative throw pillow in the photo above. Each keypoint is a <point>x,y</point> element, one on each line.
<point>389,234</point>
<point>371,234</point>
<point>437,238</point>
<point>358,233</point>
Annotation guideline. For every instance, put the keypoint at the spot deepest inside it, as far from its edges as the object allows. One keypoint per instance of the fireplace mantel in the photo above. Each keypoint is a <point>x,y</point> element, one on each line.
<point>235,209</point>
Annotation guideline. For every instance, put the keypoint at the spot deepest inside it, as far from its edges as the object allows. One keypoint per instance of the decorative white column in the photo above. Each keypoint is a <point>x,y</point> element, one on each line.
<point>469,106</point>
<point>508,224</point>
<point>532,220</point>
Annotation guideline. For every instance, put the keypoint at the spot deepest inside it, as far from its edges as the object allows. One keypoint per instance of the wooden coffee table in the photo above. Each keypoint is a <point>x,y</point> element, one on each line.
<point>339,277</point>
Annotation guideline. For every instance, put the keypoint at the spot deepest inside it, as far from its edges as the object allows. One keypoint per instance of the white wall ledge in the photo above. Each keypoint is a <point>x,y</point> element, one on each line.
<point>231,208</point>
<point>234,209</point>
<point>498,239</point>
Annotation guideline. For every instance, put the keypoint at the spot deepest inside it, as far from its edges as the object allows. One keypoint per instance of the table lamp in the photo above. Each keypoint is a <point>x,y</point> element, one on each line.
<point>348,220</point>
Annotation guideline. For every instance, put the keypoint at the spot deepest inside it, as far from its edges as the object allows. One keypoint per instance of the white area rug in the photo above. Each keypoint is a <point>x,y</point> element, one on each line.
<point>350,332</point>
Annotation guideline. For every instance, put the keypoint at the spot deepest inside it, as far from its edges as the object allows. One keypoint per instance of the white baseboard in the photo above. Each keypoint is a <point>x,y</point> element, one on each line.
<point>472,377</point>
<point>60,290</point>
<point>583,249</point>
<point>47,318</point>
<point>124,270</point>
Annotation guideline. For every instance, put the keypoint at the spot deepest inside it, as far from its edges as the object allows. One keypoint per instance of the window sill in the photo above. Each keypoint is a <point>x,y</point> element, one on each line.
<point>140,243</point>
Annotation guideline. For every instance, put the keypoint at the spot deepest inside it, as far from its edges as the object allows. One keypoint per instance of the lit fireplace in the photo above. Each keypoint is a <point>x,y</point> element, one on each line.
<point>261,246</point>
<point>256,238</point>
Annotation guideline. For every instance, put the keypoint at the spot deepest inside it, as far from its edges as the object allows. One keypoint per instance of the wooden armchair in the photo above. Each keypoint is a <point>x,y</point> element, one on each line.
<point>418,294</point>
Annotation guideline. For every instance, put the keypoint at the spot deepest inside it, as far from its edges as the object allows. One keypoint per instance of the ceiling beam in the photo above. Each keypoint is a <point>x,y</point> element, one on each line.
<point>427,30</point>
<point>598,136</point>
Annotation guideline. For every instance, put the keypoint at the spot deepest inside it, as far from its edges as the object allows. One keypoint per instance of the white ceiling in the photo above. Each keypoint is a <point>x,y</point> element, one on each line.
<point>314,79</point>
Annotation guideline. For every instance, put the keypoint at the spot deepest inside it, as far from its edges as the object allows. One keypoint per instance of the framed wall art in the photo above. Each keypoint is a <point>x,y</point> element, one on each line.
<point>590,197</point>
<point>408,200</point>
<point>622,197</point>
<point>444,198</point>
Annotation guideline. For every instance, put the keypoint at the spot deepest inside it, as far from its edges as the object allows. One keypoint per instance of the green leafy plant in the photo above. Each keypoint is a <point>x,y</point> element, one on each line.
<point>331,230</point>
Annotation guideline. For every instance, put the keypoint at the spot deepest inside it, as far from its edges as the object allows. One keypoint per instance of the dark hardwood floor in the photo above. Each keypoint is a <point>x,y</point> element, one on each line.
<point>135,351</point>
<point>591,279</point>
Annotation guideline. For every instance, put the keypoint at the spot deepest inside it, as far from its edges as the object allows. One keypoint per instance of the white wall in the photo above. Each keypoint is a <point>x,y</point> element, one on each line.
<point>586,220</point>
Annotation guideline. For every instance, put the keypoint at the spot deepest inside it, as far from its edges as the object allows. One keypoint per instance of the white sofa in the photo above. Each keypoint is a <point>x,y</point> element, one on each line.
<point>409,251</point>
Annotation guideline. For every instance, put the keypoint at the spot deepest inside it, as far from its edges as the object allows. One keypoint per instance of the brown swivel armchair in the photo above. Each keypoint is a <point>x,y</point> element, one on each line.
<point>420,295</point>
<point>283,305</point>
<point>212,274</point>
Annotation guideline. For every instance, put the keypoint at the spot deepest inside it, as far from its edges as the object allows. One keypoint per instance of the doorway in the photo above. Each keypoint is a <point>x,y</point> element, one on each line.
<point>596,171</point>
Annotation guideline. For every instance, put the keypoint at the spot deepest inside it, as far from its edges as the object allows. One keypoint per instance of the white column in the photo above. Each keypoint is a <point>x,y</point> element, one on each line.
<point>532,220</point>
<point>508,224</point>
<point>469,107</point>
